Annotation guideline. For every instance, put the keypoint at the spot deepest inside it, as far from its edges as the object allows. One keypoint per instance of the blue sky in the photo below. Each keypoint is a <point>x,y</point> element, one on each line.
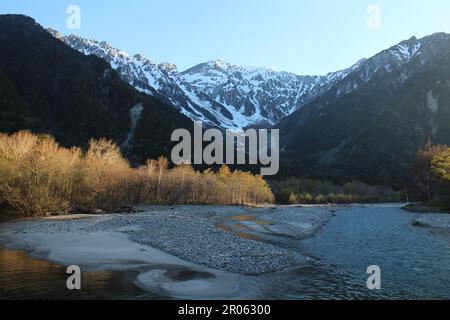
<point>301,36</point>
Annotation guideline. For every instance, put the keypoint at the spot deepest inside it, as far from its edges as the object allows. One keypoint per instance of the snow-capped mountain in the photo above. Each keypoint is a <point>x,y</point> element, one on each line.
<point>229,96</point>
<point>215,93</point>
<point>247,96</point>
<point>402,60</point>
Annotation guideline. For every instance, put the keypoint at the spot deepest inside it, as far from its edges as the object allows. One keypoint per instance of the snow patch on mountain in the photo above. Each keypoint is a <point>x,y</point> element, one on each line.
<point>135,114</point>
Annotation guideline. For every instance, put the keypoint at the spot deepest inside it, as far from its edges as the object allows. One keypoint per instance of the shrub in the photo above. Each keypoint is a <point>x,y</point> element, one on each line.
<point>40,177</point>
<point>37,175</point>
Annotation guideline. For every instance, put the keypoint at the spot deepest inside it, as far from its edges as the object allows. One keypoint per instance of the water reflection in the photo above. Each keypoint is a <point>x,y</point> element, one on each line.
<point>22,277</point>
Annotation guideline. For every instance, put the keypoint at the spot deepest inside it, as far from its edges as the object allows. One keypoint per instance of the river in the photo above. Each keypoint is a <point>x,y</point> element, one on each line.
<point>414,263</point>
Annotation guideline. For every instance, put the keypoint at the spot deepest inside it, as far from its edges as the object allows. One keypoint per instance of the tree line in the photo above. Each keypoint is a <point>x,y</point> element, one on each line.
<point>314,191</point>
<point>427,181</point>
<point>38,177</point>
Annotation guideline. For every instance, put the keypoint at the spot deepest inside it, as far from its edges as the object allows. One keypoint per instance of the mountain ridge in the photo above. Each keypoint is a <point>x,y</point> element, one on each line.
<point>215,92</point>
<point>230,96</point>
<point>373,131</point>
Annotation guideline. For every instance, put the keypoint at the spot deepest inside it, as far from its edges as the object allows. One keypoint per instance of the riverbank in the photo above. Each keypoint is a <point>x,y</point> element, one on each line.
<point>423,208</point>
<point>431,217</point>
<point>192,234</point>
<point>433,220</point>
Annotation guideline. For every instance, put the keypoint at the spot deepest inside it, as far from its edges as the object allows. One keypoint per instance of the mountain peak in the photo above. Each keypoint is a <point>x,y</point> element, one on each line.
<point>219,64</point>
<point>139,56</point>
<point>54,33</point>
<point>169,67</point>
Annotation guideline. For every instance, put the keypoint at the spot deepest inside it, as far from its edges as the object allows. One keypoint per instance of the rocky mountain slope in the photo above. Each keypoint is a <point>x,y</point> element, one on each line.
<point>370,125</point>
<point>215,93</point>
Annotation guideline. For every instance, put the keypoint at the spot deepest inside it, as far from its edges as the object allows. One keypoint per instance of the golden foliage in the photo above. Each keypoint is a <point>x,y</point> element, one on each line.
<point>441,164</point>
<point>40,177</point>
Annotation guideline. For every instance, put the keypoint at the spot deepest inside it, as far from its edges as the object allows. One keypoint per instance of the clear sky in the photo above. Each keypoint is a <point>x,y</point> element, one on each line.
<point>301,36</point>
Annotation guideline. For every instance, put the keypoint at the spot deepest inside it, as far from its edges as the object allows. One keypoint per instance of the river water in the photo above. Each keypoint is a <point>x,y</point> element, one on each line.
<point>414,263</point>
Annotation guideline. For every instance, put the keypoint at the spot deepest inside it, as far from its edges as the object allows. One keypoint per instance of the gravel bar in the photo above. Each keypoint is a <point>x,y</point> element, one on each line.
<point>191,233</point>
